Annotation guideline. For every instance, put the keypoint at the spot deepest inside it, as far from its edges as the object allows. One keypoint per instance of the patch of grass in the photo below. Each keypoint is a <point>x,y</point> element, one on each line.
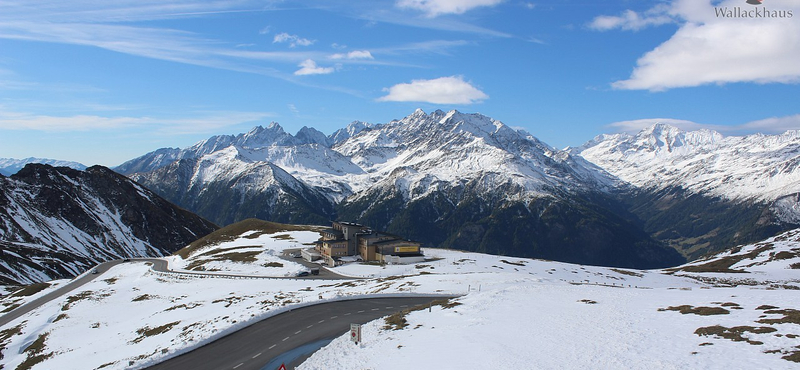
<point>61,317</point>
<point>790,316</point>
<point>794,356</point>
<point>5,335</point>
<point>283,237</point>
<point>629,273</point>
<point>702,311</point>
<point>588,301</point>
<point>734,333</point>
<point>273,264</point>
<point>142,297</point>
<point>520,263</point>
<point>10,308</point>
<point>111,281</point>
<point>233,231</point>
<point>397,320</point>
<point>795,266</point>
<point>766,307</point>
<point>242,257</point>
<point>76,298</point>
<point>149,332</point>
<point>35,353</point>
<point>30,290</point>
<point>185,306</point>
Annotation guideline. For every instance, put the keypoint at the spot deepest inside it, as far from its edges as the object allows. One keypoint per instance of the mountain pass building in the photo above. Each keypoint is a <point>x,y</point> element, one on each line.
<point>346,239</point>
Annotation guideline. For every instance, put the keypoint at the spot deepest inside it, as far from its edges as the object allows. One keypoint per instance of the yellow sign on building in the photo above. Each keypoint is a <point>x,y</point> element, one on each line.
<point>407,249</point>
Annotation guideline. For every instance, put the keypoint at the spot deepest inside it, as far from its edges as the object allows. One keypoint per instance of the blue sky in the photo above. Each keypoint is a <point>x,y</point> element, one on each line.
<point>103,82</point>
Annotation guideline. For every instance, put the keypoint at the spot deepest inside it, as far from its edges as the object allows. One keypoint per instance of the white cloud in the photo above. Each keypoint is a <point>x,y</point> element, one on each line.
<point>630,20</point>
<point>203,122</point>
<point>772,125</point>
<point>309,67</point>
<point>710,49</point>
<point>443,90</point>
<point>634,126</point>
<point>293,40</point>
<point>434,8</point>
<point>265,30</point>
<point>355,54</point>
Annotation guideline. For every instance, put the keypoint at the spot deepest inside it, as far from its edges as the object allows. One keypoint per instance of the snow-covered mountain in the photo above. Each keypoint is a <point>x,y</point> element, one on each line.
<point>444,178</point>
<point>228,185</point>
<point>700,191</point>
<point>56,222</point>
<point>762,167</point>
<point>10,166</point>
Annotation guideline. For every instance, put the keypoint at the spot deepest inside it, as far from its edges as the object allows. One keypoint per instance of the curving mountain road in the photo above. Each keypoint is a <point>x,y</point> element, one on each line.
<point>257,345</point>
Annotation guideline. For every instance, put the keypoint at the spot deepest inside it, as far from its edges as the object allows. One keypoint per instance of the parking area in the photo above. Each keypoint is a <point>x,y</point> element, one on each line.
<point>324,273</point>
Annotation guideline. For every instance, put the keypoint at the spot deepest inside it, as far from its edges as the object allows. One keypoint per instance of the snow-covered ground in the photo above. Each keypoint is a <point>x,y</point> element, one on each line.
<point>252,253</point>
<point>515,313</point>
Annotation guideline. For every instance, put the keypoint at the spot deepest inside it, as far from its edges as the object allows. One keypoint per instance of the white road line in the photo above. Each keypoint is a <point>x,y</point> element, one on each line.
<point>258,354</point>
<point>375,309</point>
<point>361,311</point>
<point>405,305</point>
<point>389,308</point>
<point>309,327</point>
<point>237,366</point>
<point>285,339</point>
<point>297,332</point>
<point>320,321</point>
<point>334,317</point>
<point>348,314</point>
<point>272,346</point>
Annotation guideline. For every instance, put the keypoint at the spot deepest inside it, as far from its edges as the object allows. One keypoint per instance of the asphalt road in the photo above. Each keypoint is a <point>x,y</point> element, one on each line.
<point>257,345</point>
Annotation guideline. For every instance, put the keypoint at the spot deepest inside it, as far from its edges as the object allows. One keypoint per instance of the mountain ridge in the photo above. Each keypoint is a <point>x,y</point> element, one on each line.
<point>56,222</point>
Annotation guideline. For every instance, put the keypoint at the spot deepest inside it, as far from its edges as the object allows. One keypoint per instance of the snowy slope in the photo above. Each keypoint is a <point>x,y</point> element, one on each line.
<point>516,313</point>
<point>762,261</point>
<point>10,166</point>
<point>252,252</point>
<point>453,146</point>
<point>760,167</point>
<point>232,184</point>
<point>56,222</point>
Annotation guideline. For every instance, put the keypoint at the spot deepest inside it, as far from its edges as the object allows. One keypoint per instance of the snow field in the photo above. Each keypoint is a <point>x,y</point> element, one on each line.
<point>271,247</point>
<point>523,324</point>
<point>515,313</point>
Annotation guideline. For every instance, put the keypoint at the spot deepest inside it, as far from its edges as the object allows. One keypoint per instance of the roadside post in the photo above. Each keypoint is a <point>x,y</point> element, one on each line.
<point>355,333</point>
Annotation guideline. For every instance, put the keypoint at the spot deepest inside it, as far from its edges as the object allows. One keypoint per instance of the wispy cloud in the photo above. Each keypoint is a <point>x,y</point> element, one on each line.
<point>199,122</point>
<point>633,21</point>
<point>435,8</point>
<point>309,67</point>
<point>355,54</point>
<point>443,90</point>
<point>772,125</point>
<point>292,40</point>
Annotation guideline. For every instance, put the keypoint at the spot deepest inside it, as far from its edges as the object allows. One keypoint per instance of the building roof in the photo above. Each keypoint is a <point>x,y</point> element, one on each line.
<point>332,231</point>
